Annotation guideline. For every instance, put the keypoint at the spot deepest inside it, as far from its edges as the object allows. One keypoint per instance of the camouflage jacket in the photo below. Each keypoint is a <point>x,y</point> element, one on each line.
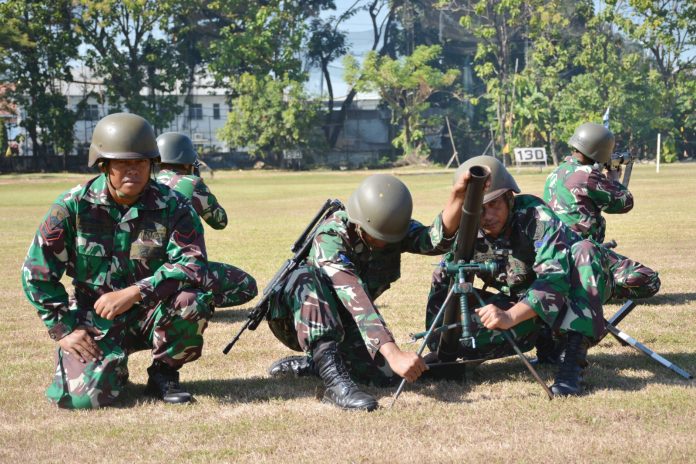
<point>579,193</point>
<point>537,271</point>
<point>202,199</point>
<point>156,244</point>
<point>358,275</point>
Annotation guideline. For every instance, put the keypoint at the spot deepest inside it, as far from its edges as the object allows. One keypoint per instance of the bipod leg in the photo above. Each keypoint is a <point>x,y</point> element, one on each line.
<point>425,341</point>
<point>647,351</point>
<point>521,355</point>
<point>619,316</point>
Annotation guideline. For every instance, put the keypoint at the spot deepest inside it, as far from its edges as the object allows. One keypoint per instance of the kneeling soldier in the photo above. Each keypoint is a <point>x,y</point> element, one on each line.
<point>553,280</point>
<point>137,258</point>
<point>230,285</point>
<point>326,307</point>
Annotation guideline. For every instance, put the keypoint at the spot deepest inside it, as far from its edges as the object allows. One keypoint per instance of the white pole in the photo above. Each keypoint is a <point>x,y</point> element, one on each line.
<point>657,169</point>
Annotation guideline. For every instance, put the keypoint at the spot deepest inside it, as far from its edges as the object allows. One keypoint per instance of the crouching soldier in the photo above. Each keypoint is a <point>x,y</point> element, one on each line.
<point>230,285</point>
<point>137,259</point>
<point>578,192</point>
<point>326,307</point>
<point>553,281</point>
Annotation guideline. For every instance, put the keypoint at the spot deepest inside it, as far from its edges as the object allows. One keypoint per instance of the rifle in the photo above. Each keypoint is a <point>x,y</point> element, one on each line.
<point>300,249</point>
<point>614,164</point>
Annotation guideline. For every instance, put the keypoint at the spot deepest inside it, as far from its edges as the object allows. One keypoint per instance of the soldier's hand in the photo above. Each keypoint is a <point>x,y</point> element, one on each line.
<point>406,364</point>
<point>492,317</point>
<point>459,187</point>
<point>614,174</point>
<point>80,343</point>
<point>111,304</point>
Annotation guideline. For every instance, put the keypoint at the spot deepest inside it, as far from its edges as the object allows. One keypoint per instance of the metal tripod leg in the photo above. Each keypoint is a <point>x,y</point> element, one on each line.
<point>647,351</point>
<point>619,316</point>
<point>627,340</point>
<point>521,355</point>
<point>425,341</point>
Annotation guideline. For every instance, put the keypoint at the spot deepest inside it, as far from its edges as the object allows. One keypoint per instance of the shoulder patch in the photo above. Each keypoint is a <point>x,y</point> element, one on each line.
<point>51,228</point>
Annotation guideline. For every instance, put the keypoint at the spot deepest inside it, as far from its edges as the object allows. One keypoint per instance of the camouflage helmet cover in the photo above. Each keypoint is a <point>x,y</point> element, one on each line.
<point>594,141</point>
<point>382,207</point>
<point>122,136</point>
<point>176,148</point>
<point>501,180</point>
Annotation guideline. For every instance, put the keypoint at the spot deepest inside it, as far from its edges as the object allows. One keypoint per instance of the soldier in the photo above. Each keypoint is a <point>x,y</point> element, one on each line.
<point>326,307</point>
<point>553,280</point>
<point>230,285</point>
<point>577,190</point>
<point>136,255</point>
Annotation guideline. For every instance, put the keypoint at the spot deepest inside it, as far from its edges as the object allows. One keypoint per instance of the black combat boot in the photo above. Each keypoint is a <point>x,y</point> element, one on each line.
<point>293,366</point>
<point>163,383</point>
<point>574,360</point>
<point>340,388</point>
<point>548,348</point>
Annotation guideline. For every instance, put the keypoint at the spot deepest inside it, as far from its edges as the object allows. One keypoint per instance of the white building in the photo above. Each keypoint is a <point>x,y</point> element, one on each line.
<point>200,119</point>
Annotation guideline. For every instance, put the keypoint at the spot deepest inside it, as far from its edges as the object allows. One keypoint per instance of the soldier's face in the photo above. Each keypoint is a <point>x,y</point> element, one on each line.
<point>129,177</point>
<point>371,242</point>
<point>494,216</point>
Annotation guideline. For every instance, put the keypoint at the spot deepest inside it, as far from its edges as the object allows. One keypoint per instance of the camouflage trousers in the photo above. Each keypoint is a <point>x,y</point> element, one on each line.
<point>172,330</point>
<point>230,285</point>
<point>306,310</point>
<point>632,280</point>
<point>596,275</point>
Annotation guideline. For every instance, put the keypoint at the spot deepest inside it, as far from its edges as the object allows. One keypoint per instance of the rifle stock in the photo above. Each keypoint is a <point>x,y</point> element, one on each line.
<point>464,251</point>
<point>300,249</point>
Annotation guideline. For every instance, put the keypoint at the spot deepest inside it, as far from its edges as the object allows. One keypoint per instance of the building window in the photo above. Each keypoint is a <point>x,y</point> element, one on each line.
<point>91,113</point>
<point>195,111</point>
<point>216,111</point>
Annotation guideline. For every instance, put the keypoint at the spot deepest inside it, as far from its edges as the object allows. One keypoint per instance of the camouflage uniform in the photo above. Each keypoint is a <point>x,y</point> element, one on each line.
<point>230,285</point>
<point>331,296</point>
<point>579,193</point>
<point>202,199</point>
<point>564,278</point>
<point>156,244</point>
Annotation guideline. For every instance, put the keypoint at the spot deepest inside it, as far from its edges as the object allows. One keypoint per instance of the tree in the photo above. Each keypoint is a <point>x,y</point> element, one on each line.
<point>615,74</point>
<point>553,35</point>
<point>38,44</point>
<point>128,48</point>
<point>499,27</point>
<point>667,31</point>
<point>3,137</point>
<point>270,115</point>
<point>405,85</point>
<point>326,44</point>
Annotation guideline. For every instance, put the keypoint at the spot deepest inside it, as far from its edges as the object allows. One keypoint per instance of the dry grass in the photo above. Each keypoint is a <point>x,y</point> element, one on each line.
<point>636,411</point>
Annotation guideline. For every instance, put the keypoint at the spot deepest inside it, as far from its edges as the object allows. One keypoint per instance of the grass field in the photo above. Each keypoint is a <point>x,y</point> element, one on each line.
<point>636,410</point>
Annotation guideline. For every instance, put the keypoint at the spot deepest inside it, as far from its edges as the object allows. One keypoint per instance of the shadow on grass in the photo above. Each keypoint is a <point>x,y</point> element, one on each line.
<point>625,371</point>
<point>604,372</point>
<point>669,299</point>
<point>243,390</point>
<point>254,389</point>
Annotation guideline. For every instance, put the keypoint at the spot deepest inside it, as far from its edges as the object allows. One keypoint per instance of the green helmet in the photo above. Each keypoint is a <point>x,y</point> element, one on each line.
<point>122,136</point>
<point>176,148</point>
<point>382,207</point>
<point>501,180</point>
<point>594,141</point>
